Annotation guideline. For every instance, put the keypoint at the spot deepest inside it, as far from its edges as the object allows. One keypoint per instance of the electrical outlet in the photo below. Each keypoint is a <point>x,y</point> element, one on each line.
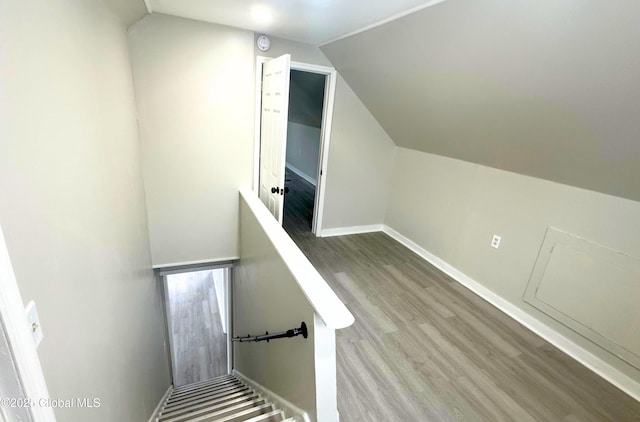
<point>495,242</point>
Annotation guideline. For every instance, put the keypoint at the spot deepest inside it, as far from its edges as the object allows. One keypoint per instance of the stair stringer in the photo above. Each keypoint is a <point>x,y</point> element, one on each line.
<point>158,409</point>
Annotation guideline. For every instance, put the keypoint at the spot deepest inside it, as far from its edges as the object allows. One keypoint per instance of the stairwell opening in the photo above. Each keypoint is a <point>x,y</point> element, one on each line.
<point>198,322</point>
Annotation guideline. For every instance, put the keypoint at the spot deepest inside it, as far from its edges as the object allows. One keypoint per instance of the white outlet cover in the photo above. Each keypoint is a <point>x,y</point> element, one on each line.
<point>34,322</point>
<point>495,242</point>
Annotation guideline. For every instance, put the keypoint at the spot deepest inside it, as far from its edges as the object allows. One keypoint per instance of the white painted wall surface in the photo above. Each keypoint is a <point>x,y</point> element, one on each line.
<point>452,208</point>
<point>72,206</point>
<point>195,95</point>
<point>219,283</point>
<point>303,150</point>
<point>360,154</point>
<point>266,297</point>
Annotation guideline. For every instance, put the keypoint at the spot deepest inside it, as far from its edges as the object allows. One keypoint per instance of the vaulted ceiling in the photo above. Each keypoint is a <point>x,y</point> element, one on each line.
<point>544,88</point>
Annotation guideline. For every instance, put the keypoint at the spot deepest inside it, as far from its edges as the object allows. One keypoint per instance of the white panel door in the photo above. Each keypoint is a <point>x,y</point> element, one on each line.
<point>273,132</point>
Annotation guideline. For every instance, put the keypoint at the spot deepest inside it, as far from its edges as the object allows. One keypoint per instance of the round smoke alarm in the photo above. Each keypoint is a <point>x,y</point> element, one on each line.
<point>263,42</point>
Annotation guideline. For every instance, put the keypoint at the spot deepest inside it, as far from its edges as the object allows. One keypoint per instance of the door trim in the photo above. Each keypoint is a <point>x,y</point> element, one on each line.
<point>327,121</point>
<point>19,337</point>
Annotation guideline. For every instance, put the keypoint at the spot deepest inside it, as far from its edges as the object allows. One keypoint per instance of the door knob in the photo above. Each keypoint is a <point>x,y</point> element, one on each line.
<point>275,190</point>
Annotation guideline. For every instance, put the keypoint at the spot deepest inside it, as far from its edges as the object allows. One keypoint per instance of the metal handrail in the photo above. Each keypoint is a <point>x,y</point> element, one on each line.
<point>285,334</point>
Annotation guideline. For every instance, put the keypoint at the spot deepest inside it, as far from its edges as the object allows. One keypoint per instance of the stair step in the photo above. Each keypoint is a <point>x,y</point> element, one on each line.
<point>202,394</point>
<point>241,416</point>
<point>273,416</point>
<point>221,399</point>
<point>189,401</point>
<point>205,389</point>
<point>199,411</point>
<point>207,402</point>
<point>204,383</point>
<point>237,414</point>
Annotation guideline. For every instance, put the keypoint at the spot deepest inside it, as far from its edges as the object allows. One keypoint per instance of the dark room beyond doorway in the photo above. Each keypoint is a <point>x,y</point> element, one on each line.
<point>304,134</point>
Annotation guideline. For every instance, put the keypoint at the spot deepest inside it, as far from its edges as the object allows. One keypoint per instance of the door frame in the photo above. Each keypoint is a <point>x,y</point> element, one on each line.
<point>21,342</point>
<point>164,274</point>
<point>325,132</point>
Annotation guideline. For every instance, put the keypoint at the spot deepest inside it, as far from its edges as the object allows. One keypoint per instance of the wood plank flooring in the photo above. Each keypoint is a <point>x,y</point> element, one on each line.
<point>298,211</point>
<point>424,348</point>
<point>198,343</point>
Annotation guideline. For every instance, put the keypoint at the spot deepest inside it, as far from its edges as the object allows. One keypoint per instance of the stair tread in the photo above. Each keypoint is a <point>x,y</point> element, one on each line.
<point>215,393</point>
<point>205,389</point>
<point>208,402</point>
<point>209,409</point>
<point>221,414</point>
<point>209,381</point>
<point>197,400</point>
<point>265,416</point>
<point>235,416</point>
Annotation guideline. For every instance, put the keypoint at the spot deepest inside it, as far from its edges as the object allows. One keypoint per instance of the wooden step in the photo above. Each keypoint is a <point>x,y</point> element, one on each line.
<point>222,399</point>
<point>273,416</point>
<point>203,394</point>
<point>240,415</point>
<point>212,408</point>
<point>207,402</point>
<point>205,389</point>
<point>189,402</point>
<point>204,383</point>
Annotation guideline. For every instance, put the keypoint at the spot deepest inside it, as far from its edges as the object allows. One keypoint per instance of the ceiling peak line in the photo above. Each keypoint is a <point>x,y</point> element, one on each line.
<point>383,21</point>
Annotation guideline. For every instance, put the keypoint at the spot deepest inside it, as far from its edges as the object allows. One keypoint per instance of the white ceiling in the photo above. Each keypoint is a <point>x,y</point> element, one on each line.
<point>309,21</point>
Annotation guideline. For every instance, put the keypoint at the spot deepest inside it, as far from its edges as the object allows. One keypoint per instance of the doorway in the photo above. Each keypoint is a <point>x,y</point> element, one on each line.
<point>197,308</point>
<point>304,134</point>
<point>294,159</point>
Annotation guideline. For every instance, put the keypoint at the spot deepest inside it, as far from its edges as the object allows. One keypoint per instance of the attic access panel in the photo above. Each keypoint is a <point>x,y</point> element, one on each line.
<point>591,289</point>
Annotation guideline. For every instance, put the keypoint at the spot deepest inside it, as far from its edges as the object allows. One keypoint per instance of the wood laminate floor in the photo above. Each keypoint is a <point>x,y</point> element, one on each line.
<point>424,348</point>
<point>298,203</point>
<point>199,346</point>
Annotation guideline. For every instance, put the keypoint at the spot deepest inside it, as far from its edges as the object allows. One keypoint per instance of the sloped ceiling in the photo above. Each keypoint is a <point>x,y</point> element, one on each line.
<point>306,97</point>
<point>544,88</point>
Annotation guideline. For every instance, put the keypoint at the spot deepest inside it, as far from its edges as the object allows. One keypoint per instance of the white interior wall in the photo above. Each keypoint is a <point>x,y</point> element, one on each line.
<point>303,150</point>
<point>266,297</point>
<point>195,90</point>
<point>219,283</point>
<point>72,206</point>
<point>195,94</point>
<point>452,208</point>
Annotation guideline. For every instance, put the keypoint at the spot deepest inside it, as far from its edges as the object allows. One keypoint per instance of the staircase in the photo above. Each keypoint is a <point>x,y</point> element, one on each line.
<point>222,399</point>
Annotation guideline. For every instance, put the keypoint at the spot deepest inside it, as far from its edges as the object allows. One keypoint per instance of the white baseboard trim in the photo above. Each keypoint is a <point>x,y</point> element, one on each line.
<point>289,408</point>
<point>300,173</point>
<point>344,231</point>
<point>155,414</point>
<point>586,358</point>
